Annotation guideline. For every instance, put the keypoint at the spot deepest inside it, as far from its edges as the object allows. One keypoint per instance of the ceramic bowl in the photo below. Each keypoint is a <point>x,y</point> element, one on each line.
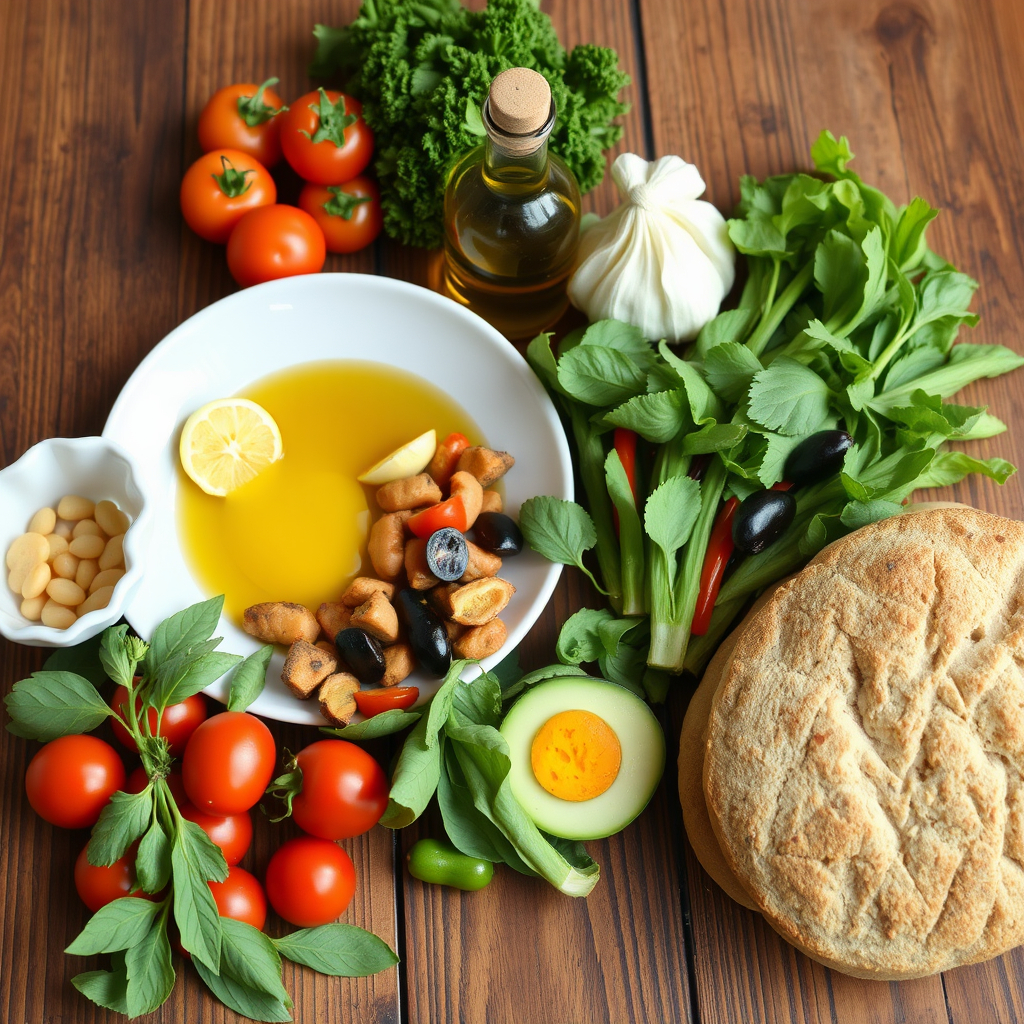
<point>95,468</point>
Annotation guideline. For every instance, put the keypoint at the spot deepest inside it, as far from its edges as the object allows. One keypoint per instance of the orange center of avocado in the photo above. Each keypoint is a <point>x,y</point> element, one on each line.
<point>575,755</point>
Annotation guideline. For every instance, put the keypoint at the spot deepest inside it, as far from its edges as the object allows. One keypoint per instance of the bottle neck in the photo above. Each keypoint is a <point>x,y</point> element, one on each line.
<point>505,171</point>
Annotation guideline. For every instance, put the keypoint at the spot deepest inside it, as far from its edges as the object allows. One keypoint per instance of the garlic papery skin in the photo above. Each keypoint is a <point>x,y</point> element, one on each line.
<point>662,260</point>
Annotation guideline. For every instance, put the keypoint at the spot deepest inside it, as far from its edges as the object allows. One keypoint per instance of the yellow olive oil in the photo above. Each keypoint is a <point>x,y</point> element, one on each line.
<point>298,531</point>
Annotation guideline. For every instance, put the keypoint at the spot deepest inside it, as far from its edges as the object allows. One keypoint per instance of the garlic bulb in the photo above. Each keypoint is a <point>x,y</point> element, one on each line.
<point>662,260</point>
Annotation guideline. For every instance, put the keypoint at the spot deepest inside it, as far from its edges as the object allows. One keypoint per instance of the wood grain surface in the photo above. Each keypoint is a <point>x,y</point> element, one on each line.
<point>96,265</point>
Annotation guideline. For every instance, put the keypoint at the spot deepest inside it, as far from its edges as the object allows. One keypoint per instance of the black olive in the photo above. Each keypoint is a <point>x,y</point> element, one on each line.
<point>447,554</point>
<point>817,457</point>
<point>427,636</point>
<point>497,533</point>
<point>362,654</point>
<point>761,519</point>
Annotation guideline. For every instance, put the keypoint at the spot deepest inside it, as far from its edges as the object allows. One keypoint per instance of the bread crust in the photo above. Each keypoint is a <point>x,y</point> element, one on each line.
<point>864,767</point>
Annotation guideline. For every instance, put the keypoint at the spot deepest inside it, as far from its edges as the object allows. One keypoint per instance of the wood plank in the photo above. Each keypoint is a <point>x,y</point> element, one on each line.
<point>740,87</point>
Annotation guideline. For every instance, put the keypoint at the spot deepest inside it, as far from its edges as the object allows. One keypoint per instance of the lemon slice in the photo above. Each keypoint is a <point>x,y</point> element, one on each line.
<point>412,458</point>
<point>227,442</point>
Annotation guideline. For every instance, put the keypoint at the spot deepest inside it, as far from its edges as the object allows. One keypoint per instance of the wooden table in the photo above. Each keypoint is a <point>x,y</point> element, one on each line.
<point>96,265</point>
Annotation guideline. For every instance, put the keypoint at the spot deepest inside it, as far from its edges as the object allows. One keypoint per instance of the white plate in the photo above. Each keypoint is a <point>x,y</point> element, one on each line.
<point>263,329</point>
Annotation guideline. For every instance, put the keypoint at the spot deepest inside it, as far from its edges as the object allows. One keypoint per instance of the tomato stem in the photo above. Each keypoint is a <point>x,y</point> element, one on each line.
<point>341,203</point>
<point>333,120</point>
<point>252,109</point>
<point>232,182</point>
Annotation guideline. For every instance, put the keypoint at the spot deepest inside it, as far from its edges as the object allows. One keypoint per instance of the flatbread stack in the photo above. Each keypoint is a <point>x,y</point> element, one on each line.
<point>852,765</point>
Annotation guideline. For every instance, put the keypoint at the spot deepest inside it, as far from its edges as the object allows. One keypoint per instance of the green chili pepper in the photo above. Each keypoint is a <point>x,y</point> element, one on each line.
<point>431,860</point>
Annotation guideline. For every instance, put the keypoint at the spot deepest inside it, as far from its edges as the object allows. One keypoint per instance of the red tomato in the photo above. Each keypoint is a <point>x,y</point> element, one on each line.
<point>447,513</point>
<point>138,780</point>
<point>325,138</point>
<point>275,241</point>
<point>344,790</point>
<point>385,698</point>
<point>177,723</point>
<point>71,779</point>
<point>222,187</point>
<point>349,215</point>
<point>98,886</point>
<point>228,762</point>
<point>446,458</point>
<point>231,832</point>
<point>244,116</point>
<point>241,896</point>
<point>310,881</point>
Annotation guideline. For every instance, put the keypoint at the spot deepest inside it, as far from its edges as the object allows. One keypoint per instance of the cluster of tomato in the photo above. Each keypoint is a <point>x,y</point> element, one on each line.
<point>228,194</point>
<point>227,763</point>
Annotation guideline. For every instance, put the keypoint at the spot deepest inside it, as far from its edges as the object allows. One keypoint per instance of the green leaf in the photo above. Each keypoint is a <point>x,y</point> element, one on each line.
<point>52,704</point>
<point>150,973</point>
<point>949,468</point>
<point>557,529</point>
<point>414,780</point>
<point>106,988</point>
<point>730,327</point>
<point>191,678</point>
<point>627,667</point>
<point>82,660</point>
<point>713,437</point>
<point>600,376</point>
<point>789,397</point>
<point>542,360</point>
<point>248,679</point>
<point>580,639</point>
<point>621,337</point>
<point>153,860</point>
<point>114,657</point>
<point>907,245</point>
<point>340,950</point>
<point>656,417</point>
<point>474,122</point>
<point>729,368</point>
<point>670,513</point>
<point>480,699</point>
<point>123,820</point>
<point>704,403</point>
<point>194,862</point>
<point>860,513</point>
<point>182,631</point>
<point>384,724</point>
<point>118,925</point>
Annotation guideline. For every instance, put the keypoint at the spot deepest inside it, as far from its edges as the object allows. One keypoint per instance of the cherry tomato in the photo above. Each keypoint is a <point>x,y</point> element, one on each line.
<point>310,881</point>
<point>275,241</point>
<point>228,762</point>
<point>138,780</point>
<point>70,780</point>
<point>349,215</point>
<point>245,117</point>
<point>98,886</point>
<point>447,513</point>
<point>220,188</point>
<point>385,698</point>
<point>231,832</point>
<point>177,723</point>
<point>241,896</point>
<point>344,790</point>
<point>325,138</point>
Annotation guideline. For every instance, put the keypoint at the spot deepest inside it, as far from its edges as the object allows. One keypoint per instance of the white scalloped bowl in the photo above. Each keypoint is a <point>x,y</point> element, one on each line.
<point>95,468</point>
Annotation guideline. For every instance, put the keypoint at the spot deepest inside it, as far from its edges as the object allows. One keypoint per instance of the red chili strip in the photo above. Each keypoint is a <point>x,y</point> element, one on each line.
<point>716,558</point>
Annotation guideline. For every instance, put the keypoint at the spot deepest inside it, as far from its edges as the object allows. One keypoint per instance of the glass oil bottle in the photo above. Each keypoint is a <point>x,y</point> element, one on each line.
<point>512,213</point>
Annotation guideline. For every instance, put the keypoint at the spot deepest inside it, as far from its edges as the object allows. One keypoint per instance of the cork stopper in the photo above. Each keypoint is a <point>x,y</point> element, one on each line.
<point>519,114</point>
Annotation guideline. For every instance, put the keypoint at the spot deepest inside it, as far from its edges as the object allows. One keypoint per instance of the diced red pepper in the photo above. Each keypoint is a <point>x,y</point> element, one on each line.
<point>720,548</point>
<point>385,698</point>
<point>446,513</point>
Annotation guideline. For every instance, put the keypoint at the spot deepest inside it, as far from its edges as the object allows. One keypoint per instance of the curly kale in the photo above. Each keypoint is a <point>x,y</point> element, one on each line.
<point>422,69</point>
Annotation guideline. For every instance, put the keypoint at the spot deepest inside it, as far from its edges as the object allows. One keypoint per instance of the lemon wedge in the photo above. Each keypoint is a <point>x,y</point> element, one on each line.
<point>227,442</point>
<point>412,458</point>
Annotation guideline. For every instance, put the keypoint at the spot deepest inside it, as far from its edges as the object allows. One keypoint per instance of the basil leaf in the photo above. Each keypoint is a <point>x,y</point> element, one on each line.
<point>153,860</point>
<point>250,964</point>
<point>621,337</point>
<point>122,821</point>
<point>114,657</point>
<point>340,950</point>
<point>479,699</point>
<point>194,862</point>
<point>730,327</point>
<point>542,360</point>
<point>52,704</point>
<point>106,988</point>
<point>384,724</point>
<point>860,513</point>
<point>600,376</point>
<point>182,631</point>
<point>190,677</point>
<point>414,780</point>
<point>118,925</point>
<point>249,678</point>
<point>150,973</point>
<point>789,397</point>
<point>249,1002</point>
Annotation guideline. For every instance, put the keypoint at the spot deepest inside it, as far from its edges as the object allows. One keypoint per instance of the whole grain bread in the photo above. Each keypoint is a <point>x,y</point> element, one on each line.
<point>865,748</point>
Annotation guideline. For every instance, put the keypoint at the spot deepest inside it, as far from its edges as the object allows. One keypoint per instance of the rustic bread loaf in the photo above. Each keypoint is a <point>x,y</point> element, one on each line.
<point>865,748</point>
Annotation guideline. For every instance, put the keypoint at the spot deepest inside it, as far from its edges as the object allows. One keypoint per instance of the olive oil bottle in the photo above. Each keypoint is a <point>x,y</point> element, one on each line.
<point>512,213</point>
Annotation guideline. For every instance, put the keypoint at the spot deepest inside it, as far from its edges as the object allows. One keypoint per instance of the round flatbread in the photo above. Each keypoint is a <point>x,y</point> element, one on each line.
<point>865,748</point>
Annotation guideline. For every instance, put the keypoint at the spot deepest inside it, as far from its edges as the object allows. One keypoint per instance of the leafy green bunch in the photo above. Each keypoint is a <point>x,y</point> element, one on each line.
<point>175,858</point>
<point>847,319</point>
<point>456,751</point>
<point>422,69</point>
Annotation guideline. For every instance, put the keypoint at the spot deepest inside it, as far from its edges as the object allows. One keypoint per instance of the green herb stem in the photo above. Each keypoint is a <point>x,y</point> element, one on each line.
<point>780,308</point>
